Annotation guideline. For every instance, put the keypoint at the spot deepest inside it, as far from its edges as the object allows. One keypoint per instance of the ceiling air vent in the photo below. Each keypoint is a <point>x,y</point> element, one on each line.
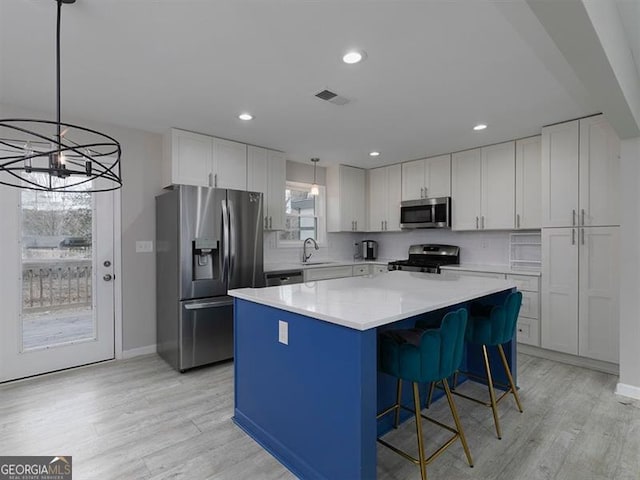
<point>331,97</point>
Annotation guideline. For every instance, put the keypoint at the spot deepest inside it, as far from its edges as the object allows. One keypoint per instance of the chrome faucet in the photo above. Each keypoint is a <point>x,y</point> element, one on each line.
<point>306,257</point>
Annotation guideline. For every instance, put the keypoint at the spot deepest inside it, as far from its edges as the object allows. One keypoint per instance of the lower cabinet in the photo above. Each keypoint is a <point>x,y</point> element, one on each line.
<point>325,273</point>
<point>528,328</point>
<point>580,307</point>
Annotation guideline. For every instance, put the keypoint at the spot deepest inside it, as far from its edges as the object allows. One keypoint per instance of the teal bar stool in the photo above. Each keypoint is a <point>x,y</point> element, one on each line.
<point>422,356</point>
<point>493,325</point>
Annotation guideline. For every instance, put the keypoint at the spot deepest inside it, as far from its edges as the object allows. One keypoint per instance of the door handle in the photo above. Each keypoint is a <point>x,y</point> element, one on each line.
<point>216,303</point>
<point>107,277</point>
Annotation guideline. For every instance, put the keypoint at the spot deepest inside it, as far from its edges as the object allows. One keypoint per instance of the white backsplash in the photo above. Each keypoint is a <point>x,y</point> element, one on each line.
<point>340,246</point>
<point>487,248</point>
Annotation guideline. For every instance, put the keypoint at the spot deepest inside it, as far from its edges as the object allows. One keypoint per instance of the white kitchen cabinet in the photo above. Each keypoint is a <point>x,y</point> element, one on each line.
<point>325,273</point>
<point>580,291</point>
<point>384,198</point>
<point>528,327</point>
<point>580,168</point>
<point>498,186</point>
<point>196,159</point>
<point>346,197</point>
<point>598,286</point>
<point>483,188</point>
<point>429,177</point>
<point>560,175</point>
<point>229,164</point>
<point>266,173</point>
<point>361,270</point>
<point>599,168</point>
<point>528,182</point>
<point>188,156</point>
<point>466,191</point>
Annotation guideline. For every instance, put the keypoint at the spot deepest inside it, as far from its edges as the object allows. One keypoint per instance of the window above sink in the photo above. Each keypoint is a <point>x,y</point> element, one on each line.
<point>304,216</point>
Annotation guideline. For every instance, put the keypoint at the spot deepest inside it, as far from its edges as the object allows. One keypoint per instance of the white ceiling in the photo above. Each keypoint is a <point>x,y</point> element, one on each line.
<point>434,69</point>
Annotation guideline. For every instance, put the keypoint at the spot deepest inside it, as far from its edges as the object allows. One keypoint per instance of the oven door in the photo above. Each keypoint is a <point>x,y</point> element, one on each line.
<point>426,213</point>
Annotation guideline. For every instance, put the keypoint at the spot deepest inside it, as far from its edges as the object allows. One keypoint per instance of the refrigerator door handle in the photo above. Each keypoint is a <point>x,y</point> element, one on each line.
<point>231,245</point>
<point>225,241</point>
<point>209,304</point>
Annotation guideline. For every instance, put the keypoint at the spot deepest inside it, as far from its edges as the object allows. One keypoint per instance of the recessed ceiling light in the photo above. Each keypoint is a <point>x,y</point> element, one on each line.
<point>245,116</point>
<point>374,154</point>
<point>354,56</point>
<point>480,126</point>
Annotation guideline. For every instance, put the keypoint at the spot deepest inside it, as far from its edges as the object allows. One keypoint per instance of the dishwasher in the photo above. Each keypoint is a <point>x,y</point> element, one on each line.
<point>274,279</point>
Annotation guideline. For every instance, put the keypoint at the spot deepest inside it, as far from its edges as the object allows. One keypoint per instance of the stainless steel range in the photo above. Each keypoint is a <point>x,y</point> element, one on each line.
<point>427,258</point>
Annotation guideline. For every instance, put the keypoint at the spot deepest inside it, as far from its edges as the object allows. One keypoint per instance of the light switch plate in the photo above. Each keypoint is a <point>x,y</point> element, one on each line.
<point>145,246</point>
<point>283,332</point>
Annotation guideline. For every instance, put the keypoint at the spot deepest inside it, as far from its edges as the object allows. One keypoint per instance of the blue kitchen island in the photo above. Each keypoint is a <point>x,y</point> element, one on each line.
<point>306,382</point>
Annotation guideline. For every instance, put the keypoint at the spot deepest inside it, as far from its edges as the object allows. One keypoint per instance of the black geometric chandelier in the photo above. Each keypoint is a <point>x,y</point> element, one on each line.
<point>56,156</point>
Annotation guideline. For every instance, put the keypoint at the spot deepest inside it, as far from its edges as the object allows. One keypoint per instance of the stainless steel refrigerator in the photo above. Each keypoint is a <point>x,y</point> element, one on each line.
<point>208,240</point>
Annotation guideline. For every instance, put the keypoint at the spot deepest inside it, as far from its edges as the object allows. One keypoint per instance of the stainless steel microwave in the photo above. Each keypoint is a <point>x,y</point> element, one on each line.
<point>426,213</point>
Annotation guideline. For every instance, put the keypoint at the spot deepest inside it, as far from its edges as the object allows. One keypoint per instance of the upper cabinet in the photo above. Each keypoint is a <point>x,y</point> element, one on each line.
<point>266,173</point>
<point>528,182</point>
<point>429,177</point>
<point>195,159</point>
<point>580,165</point>
<point>384,198</point>
<point>346,199</point>
<point>483,188</point>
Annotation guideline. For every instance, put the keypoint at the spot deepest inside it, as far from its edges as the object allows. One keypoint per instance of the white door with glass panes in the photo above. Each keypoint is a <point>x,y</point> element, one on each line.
<point>57,284</point>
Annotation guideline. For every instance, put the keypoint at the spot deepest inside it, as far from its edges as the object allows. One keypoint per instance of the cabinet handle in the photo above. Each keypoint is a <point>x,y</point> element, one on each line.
<point>385,225</point>
<point>381,225</point>
<point>583,236</point>
<point>517,220</point>
<point>476,223</point>
<point>482,221</point>
<point>573,218</point>
<point>421,192</point>
<point>426,195</point>
<point>356,225</point>
<point>210,179</point>
<point>573,236</point>
<point>582,217</point>
<point>266,223</point>
<point>270,222</point>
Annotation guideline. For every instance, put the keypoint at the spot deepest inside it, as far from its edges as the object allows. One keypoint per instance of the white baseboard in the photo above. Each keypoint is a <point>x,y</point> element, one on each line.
<point>628,391</point>
<point>575,360</point>
<point>136,352</point>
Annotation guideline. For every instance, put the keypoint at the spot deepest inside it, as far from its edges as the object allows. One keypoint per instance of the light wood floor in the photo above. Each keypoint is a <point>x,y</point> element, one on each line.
<point>139,419</point>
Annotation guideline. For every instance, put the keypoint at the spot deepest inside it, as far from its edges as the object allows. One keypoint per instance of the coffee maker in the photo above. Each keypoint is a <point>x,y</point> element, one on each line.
<point>369,249</point>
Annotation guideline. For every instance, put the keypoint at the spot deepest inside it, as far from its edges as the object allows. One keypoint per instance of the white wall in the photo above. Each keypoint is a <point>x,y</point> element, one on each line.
<point>141,159</point>
<point>630,269</point>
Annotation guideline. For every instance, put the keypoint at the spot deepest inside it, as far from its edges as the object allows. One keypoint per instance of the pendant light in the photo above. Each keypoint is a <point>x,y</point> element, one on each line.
<point>314,188</point>
<point>43,155</point>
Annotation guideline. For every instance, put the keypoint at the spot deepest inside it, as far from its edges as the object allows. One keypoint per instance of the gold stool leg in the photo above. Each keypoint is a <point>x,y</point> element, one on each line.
<point>455,380</point>
<point>456,419</point>
<point>514,390</point>
<point>430,396</point>
<point>416,403</point>
<point>492,394</point>
<point>398,397</point>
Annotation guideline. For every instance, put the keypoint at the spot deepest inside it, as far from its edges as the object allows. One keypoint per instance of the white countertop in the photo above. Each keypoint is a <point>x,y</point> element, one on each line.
<point>286,267</point>
<point>468,267</point>
<point>370,301</point>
